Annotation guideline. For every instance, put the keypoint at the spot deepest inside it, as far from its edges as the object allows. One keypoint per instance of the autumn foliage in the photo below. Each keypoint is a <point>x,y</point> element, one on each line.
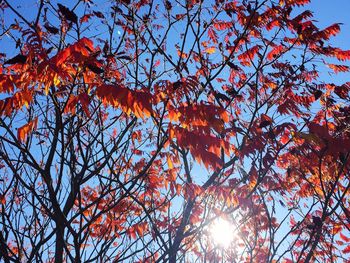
<point>127,130</point>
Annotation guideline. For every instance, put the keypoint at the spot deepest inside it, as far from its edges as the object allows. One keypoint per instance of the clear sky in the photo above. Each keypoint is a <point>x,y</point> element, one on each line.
<point>327,12</point>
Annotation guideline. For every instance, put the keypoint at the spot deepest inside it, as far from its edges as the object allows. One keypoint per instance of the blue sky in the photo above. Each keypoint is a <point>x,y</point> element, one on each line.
<point>328,12</point>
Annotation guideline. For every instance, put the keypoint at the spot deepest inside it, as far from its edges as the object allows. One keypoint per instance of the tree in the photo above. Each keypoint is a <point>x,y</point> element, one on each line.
<point>127,133</point>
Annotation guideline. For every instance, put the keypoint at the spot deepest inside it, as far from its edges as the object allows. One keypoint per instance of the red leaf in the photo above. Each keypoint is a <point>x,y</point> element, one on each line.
<point>272,24</point>
<point>221,25</point>
<point>157,63</point>
<point>85,18</point>
<point>342,91</point>
<point>205,148</point>
<point>265,121</point>
<point>346,250</point>
<point>342,55</point>
<point>138,102</point>
<point>326,33</point>
<point>212,35</point>
<point>292,221</point>
<point>295,2</point>
<point>343,237</point>
<point>131,232</point>
<point>246,57</point>
<point>6,85</point>
<point>75,53</point>
<point>320,131</point>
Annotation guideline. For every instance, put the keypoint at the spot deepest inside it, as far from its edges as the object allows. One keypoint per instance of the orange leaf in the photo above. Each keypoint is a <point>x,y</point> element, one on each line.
<point>276,51</point>
<point>338,68</point>
<point>71,105</point>
<point>210,50</point>
<point>23,132</point>
<point>170,163</point>
<point>2,199</point>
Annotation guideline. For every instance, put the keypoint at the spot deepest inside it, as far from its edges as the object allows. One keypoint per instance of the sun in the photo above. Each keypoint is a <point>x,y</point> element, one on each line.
<point>222,232</point>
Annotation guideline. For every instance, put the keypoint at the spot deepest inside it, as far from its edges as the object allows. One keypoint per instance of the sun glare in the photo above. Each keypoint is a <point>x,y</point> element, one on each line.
<point>222,232</point>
